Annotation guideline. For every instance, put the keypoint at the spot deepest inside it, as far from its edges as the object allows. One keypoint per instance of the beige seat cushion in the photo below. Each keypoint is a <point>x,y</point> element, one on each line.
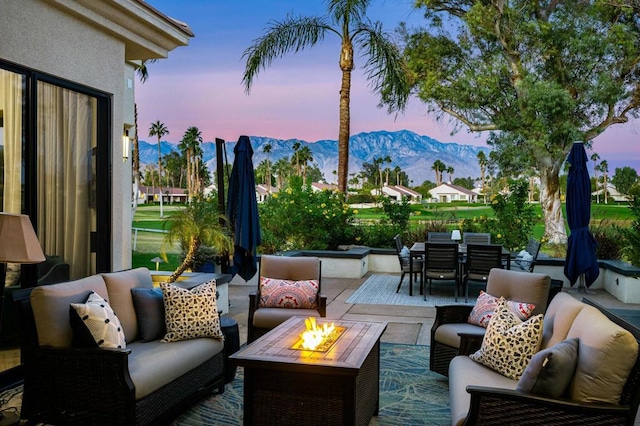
<point>119,285</point>
<point>155,364</point>
<point>561,313</point>
<point>51,304</point>
<point>447,334</point>
<point>606,354</point>
<point>520,287</point>
<point>463,372</point>
<point>272,317</point>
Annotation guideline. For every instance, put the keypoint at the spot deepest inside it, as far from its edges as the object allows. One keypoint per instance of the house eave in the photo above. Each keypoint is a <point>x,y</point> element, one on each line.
<point>145,32</point>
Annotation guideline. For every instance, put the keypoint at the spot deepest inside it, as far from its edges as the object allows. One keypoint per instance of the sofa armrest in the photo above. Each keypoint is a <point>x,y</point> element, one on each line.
<point>469,343</point>
<point>496,406</point>
<point>451,314</point>
<point>60,383</point>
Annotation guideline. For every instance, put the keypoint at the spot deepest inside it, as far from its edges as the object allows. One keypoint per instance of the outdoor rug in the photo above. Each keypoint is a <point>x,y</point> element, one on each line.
<point>381,290</point>
<point>410,394</point>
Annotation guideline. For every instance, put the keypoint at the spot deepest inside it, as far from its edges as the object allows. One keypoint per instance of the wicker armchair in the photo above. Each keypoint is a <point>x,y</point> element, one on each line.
<point>451,335</point>
<point>263,319</point>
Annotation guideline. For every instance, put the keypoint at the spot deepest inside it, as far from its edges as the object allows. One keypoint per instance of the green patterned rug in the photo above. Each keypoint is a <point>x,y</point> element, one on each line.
<point>410,394</point>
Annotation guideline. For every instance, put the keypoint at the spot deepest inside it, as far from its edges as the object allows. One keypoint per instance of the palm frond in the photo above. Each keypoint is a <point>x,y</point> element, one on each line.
<point>291,35</point>
<point>345,11</point>
<point>386,69</point>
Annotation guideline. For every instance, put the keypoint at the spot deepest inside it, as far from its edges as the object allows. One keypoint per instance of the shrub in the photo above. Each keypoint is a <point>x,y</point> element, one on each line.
<point>631,234</point>
<point>610,240</point>
<point>514,218</point>
<point>298,218</point>
<point>398,213</point>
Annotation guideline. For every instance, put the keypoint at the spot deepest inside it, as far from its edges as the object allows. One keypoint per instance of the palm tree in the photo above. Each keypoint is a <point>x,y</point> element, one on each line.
<point>159,129</point>
<point>482,162</point>
<point>595,157</point>
<point>346,19</point>
<point>296,161</point>
<point>305,157</point>
<point>143,75</point>
<point>604,168</point>
<point>190,147</point>
<point>267,150</point>
<point>450,171</point>
<point>192,226</point>
<point>438,167</point>
<point>283,171</point>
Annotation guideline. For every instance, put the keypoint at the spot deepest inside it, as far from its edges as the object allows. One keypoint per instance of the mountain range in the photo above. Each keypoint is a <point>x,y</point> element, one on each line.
<point>414,153</point>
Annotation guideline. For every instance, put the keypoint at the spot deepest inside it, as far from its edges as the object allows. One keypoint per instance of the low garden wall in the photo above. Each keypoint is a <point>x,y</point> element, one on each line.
<point>618,278</point>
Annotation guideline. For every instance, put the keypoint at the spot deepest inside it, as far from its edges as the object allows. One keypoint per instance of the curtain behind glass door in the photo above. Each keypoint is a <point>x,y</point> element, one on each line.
<point>66,147</point>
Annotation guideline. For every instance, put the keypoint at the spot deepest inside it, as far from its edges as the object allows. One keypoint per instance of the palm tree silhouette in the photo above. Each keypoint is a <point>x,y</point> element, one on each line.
<point>385,66</point>
<point>159,129</point>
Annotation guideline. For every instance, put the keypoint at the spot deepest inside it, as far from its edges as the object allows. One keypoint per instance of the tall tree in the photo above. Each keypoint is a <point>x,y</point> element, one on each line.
<point>595,157</point>
<point>296,159</point>
<point>450,171</point>
<point>624,179</point>
<point>143,74</point>
<point>190,148</point>
<point>482,162</point>
<point>305,157</point>
<point>159,130</point>
<point>346,19</point>
<point>438,166</point>
<point>537,75</point>
<point>283,171</point>
<point>604,169</point>
<point>267,150</point>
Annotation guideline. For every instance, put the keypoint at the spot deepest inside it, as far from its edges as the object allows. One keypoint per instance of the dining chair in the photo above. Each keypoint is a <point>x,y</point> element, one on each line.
<point>441,263</point>
<point>476,238</point>
<point>412,266</point>
<point>439,237</point>
<point>480,259</point>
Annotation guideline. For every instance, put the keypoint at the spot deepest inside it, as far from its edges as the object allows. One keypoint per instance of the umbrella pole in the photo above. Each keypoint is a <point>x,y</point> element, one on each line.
<point>582,289</point>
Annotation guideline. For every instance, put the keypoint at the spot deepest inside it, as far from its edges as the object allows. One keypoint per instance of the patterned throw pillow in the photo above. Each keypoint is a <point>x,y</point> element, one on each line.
<point>100,321</point>
<point>509,343</point>
<point>277,293</point>
<point>190,314</point>
<point>486,305</point>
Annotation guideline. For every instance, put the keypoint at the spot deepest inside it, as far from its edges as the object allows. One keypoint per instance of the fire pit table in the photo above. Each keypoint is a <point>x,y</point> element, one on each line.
<point>286,385</point>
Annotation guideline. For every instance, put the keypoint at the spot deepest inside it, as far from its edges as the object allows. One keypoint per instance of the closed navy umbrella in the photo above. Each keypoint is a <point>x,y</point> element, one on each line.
<point>581,250</point>
<point>242,210</point>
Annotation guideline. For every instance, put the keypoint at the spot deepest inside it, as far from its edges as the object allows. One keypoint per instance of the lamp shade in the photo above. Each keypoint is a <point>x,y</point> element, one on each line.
<point>455,235</point>
<point>18,240</point>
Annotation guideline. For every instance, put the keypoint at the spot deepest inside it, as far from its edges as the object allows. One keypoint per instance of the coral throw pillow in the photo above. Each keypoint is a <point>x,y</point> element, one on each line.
<point>277,293</point>
<point>486,305</point>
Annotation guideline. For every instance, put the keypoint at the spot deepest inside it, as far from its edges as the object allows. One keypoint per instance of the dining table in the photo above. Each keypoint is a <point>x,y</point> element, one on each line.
<point>419,248</point>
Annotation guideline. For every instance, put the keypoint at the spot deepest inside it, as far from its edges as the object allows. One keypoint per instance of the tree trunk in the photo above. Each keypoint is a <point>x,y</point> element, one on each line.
<point>160,180</point>
<point>194,244</point>
<point>136,160</point>
<point>346,65</point>
<point>555,232</point>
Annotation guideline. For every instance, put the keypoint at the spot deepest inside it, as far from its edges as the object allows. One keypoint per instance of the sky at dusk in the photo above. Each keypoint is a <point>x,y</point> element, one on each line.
<point>297,96</point>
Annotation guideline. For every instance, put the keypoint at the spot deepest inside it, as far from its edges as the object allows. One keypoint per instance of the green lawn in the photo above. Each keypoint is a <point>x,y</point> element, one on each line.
<point>148,244</point>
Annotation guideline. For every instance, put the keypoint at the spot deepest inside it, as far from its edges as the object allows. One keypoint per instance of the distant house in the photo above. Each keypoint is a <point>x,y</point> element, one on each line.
<point>398,192</point>
<point>262,192</point>
<point>613,193</point>
<point>321,186</point>
<point>447,193</point>
<point>170,195</point>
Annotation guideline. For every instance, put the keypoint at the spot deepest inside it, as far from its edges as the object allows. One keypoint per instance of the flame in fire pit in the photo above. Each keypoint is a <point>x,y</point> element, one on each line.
<point>318,337</point>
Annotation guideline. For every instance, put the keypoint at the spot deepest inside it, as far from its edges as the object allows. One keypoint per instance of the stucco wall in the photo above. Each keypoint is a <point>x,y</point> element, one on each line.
<point>36,35</point>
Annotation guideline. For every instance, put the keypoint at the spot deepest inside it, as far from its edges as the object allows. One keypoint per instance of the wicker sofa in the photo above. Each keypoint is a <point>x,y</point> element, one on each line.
<point>149,382</point>
<point>603,389</point>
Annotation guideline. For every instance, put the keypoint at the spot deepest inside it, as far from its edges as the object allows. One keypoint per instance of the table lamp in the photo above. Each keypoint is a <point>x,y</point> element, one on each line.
<point>18,244</point>
<point>455,235</point>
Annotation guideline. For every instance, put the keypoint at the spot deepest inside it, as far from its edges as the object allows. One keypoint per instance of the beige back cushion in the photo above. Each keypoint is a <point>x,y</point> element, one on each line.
<point>119,285</point>
<point>606,354</point>
<point>560,314</point>
<point>290,268</point>
<point>50,304</point>
<point>520,287</point>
